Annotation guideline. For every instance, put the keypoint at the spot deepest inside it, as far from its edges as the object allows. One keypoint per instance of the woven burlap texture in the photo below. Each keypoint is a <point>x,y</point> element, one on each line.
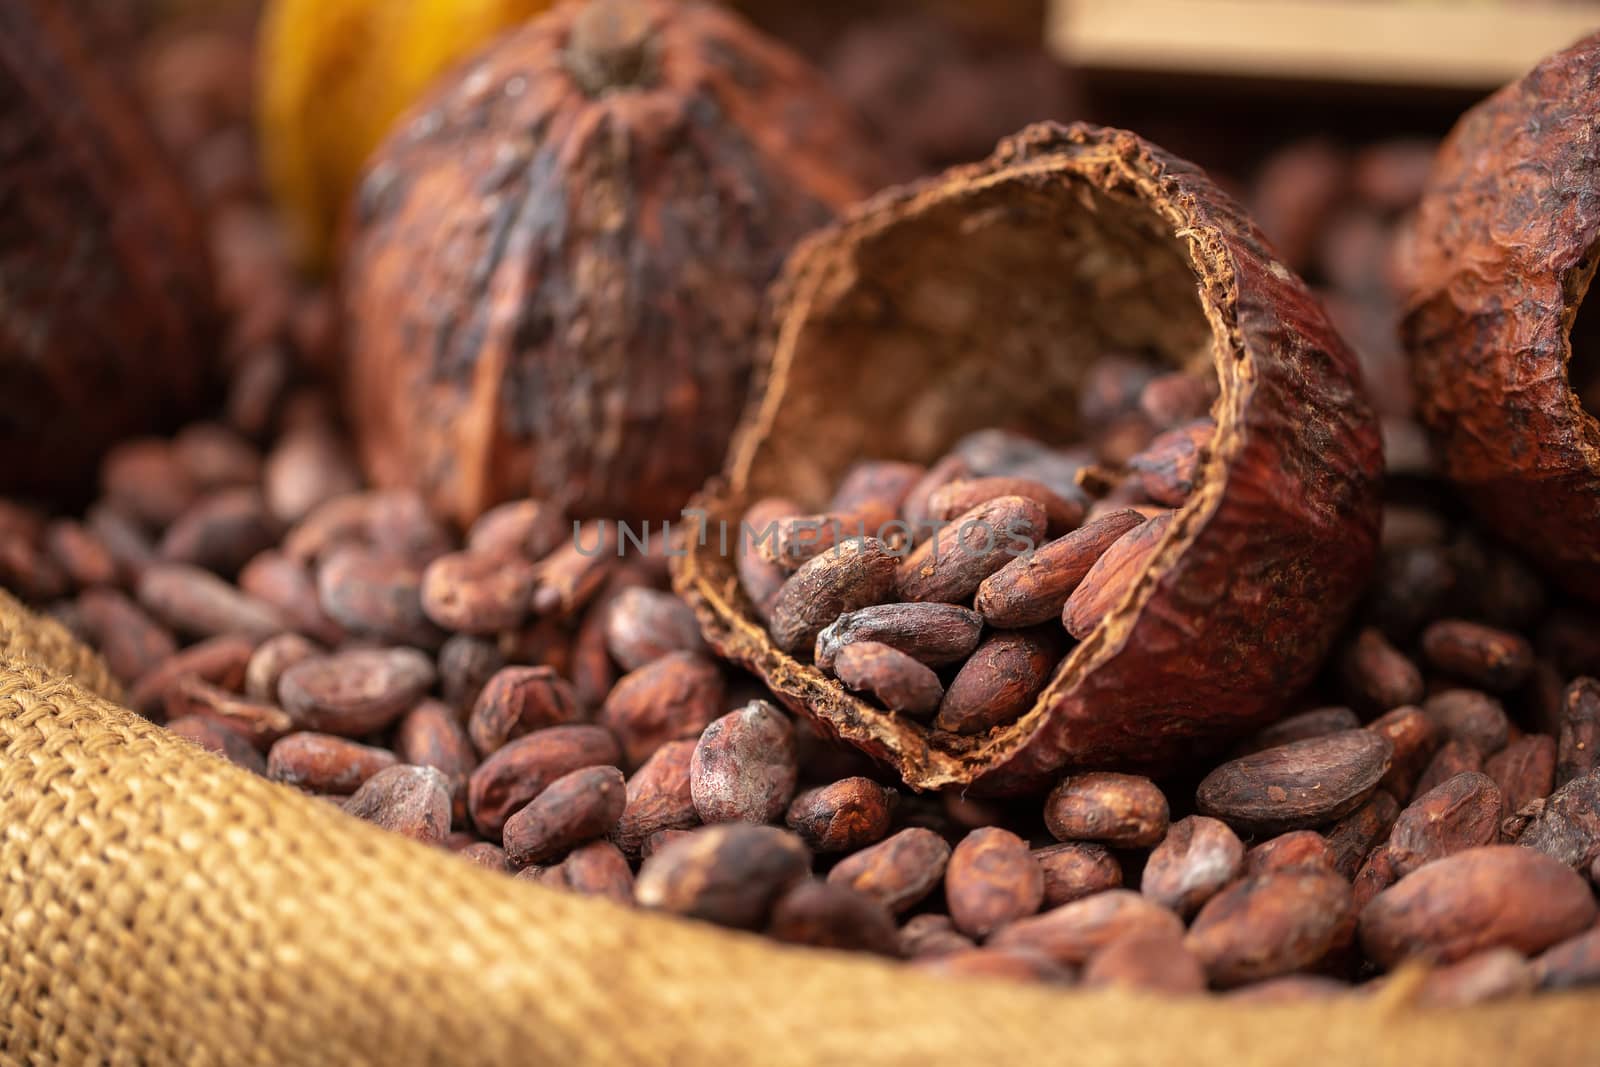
<point>160,906</point>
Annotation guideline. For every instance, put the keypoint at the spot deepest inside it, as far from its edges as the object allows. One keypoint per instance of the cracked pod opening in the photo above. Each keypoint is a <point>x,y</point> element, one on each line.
<point>981,298</point>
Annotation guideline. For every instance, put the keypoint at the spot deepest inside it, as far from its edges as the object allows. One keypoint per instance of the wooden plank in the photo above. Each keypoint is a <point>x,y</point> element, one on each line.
<point>1386,42</point>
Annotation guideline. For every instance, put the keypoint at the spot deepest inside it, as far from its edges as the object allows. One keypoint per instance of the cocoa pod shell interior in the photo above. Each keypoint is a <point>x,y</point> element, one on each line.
<point>980,298</point>
<point>1508,236</point>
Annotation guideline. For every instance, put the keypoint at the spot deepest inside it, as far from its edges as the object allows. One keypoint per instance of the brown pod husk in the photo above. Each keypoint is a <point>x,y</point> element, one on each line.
<point>555,267</point>
<point>1506,245</point>
<point>107,319</point>
<point>980,298</point>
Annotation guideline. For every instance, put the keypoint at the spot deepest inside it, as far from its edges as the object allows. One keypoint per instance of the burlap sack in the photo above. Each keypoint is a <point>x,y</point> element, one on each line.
<point>159,906</point>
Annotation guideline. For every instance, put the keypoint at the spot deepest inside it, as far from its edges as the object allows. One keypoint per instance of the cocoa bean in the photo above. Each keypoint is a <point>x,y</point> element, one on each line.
<point>130,640</point>
<point>1157,962</point>
<point>798,539</point>
<point>322,763</point>
<point>842,816</point>
<point>949,567</point>
<point>226,742</point>
<point>525,529</point>
<point>914,509</point>
<point>518,701</point>
<point>659,798</point>
<point>199,604</point>
<point>144,479</point>
<point>308,467</point>
<point>955,499</point>
<point>1198,856</point>
<point>216,457</point>
<point>524,768</point>
<point>1074,932</point>
<point>1567,826</point>
<point>1319,722</point>
<point>879,484</point>
<point>1272,924</point>
<point>1578,747</point>
<point>745,766</point>
<point>355,692</point>
<point>489,857</point>
<point>577,807</point>
<point>1497,896</point>
<point>731,874</point>
<point>221,532</point>
<point>931,934</point>
<point>1001,680</point>
<point>1353,837</point>
<point>1452,758</point>
<point>991,881</point>
<point>219,660</point>
<point>430,735</point>
<point>1570,964</point>
<point>1379,674</point>
<point>1297,786</point>
<point>1176,397</point>
<point>1470,716</point>
<point>829,915</point>
<point>571,576</point>
<point>594,870</point>
<point>1458,814</point>
<point>412,801</point>
<point>287,586</point>
<point>81,555</point>
<point>934,634</point>
<point>377,595</point>
<point>1073,871</point>
<point>1168,469</point>
<point>1524,770</point>
<point>675,698</point>
<point>1017,964</point>
<point>1493,974</point>
<point>890,677</point>
<point>899,871</point>
<point>1113,575</point>
<point>193,697</point>
<point>642,625</point>
<point>1495,659</point>
<point>1414,737</point>
<point>1122,810</point>
<point>1295,850</point>
<point>466,664</point>
<point>761,578</point>
<point>476,592</point>
<point>389,522</point>
<point>268,662</point>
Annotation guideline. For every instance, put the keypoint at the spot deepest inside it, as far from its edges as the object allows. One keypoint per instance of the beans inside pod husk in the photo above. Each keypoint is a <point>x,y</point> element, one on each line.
<point>1507,240</point>
<point>980,298</point>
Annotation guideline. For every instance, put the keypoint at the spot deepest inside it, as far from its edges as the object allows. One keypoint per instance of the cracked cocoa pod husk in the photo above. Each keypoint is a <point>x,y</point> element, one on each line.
<point>981,298</point>
<point>1506,247</point>
<point>555,265</point>
<point>108,315</point>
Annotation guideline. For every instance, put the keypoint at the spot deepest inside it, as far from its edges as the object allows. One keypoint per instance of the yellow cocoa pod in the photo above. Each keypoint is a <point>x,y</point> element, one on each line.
<point>335,74</point>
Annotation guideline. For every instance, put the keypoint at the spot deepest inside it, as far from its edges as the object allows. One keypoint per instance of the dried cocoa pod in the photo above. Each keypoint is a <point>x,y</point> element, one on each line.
<point>1567,826</point>
<point>430,735</point>
<point>1472,717</point>
<point>1578,748</point>
<point>672,699</point>
<point>1493,974</point>
<point>1495,659</point>
<point>131,641</point>
<point>1123,698</point>
<point>323,763</point>
<point>642,625</point>
<point>268,662</point>
<point>1318,722</point>
<point>889,676</point>
<point>1572,963</point>
<point>1198,856</point>
<point>1121,810</point>
<point>761,578</point>
<point>1454,757</point>
<point>1459,814</point>
<point>1504,256</point>
<point>951,501</point>
<point>1295,850</point>
<point>413,801</point>
<point>198,603</point>
<point>517,701</point>
<point>745,766</point>
<point>659,798</point>
<point>110,312</point>
<point>1033,589</point>
<point>855,575</point>
<point>287,586</point>
<point>220,660</point>
<point>1153,962</point>
<point>830,915</point>
<point>1352,838</point>
<point>1499,896</point>
<point>357,691</point>
<point>1113,575</point>
<point>1074,932</point>
<point>1296,786</point>
<point>226,742</point>
<point>933,634</point>
<point>220,532</point>
<point>464,422</point>
<point>842,816</point>
<point>1271,925</point>
<point>1001,681</point>
<point>1168,469</point>
<point>261,724</point>
<point>573,809</point>
<point>991,881</point>
<point>730,874</point>
<point>899,871</point>
<point>1414,737</point>
<point>594,870</point>
<point>524,768</point>
<point>466,664</point>
<point>377,595</point>
<point>477,593</point>
<point>931,934</point>
<point>1073,871</point>
<point>1524,770</point>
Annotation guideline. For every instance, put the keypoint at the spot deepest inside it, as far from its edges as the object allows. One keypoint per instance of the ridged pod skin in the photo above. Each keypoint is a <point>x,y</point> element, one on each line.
<point>106,312</point>
<point>979,298</point>
<point>1507,237</point>
<point>556,263</point>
